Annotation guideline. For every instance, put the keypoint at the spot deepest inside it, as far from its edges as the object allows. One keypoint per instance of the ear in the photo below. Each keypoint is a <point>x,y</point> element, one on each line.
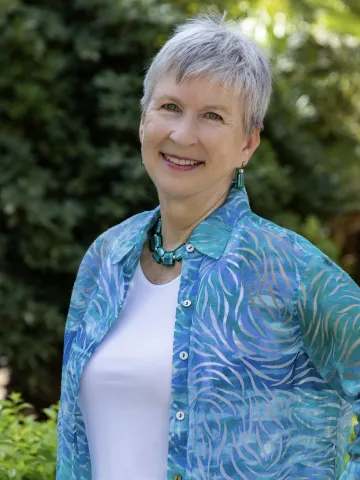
<point>251,144</point>
<point>141,129</point>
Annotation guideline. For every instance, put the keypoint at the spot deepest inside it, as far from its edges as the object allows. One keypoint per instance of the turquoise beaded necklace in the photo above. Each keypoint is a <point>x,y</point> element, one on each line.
<point>160,255</point>
<point>168,259</point>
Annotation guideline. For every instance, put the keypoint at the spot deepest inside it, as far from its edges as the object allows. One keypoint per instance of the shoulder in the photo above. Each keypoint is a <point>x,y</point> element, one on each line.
<point>116,240</point>
<point>113,244</point>
<point>311,271</point>
<point>125,232</point>
<point>307,269</point>
<point>280,241</point>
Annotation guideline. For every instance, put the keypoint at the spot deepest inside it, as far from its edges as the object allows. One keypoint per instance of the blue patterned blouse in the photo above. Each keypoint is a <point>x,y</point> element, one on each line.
<point>272,336</point>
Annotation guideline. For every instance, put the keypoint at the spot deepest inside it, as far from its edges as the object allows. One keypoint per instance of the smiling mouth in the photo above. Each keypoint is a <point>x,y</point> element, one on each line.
<point>181,161</point>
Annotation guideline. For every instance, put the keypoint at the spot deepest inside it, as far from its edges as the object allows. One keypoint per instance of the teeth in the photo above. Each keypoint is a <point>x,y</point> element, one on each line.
<point>180,161</point>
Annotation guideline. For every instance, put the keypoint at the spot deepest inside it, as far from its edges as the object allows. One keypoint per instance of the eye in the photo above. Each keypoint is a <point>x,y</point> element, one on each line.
<point>170,106</point>
<point>213,116</point>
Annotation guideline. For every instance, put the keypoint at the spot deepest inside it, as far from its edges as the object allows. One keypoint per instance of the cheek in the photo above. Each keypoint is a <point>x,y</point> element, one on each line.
<point>216,142</point>
<point>223,147</point>
<point>155,130</point>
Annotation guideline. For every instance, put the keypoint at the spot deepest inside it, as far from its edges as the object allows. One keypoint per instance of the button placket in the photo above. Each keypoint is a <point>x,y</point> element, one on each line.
<point>179,410</point>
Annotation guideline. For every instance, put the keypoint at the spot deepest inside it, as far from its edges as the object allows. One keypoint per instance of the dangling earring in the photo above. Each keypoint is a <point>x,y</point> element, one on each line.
<point>142,161</point>
<point>240,182</point>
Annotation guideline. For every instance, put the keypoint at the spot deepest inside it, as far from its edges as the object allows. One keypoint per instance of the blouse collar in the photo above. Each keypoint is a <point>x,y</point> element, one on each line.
<point>210,237</point>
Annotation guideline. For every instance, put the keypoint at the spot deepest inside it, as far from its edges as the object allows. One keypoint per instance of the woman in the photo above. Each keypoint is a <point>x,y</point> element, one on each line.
<point>202,341</point>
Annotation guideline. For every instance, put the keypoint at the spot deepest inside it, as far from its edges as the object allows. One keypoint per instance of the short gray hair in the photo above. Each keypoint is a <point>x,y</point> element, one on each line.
<point>208,45</point>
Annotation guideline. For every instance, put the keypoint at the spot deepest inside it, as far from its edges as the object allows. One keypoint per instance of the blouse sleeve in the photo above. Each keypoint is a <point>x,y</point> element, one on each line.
<point>85,287</point>
<point>329,315</point>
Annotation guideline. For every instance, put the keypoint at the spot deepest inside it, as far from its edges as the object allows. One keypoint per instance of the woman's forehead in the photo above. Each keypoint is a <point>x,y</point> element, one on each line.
<point>196,90</point>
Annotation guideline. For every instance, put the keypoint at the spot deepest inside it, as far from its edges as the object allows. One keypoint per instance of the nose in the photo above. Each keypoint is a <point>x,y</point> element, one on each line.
<point>184,132</point>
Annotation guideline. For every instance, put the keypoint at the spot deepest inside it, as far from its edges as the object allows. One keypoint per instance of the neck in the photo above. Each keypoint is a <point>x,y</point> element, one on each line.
<point>180,217</point>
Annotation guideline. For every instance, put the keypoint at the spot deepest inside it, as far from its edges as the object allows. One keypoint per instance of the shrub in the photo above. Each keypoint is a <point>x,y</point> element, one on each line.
<point>27,445</point>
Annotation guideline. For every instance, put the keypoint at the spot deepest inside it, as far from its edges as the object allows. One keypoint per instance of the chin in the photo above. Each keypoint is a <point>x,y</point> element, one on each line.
<point>175,189</point>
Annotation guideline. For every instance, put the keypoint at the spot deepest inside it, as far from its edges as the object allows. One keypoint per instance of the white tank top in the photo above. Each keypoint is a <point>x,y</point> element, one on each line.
<point>125,389</point>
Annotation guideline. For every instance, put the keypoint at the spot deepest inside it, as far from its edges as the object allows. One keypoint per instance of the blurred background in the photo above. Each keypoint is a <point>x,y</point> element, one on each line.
<point>70,83</point>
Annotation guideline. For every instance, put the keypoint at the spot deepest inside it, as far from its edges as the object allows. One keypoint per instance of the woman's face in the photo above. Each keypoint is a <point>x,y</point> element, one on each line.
<point>196,121</point>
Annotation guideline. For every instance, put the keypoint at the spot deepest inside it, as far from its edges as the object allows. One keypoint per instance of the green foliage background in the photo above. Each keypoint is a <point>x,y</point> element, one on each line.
<point>27,446</point>
<point>70,84</point>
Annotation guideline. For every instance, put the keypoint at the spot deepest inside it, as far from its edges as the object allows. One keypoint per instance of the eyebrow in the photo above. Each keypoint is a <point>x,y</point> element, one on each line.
<point>206,107</point>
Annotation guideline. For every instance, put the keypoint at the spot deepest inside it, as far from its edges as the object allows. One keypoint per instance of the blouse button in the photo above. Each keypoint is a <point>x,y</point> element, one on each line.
<point>177,476</point>
<point>186,303</point>
<point>180,415</point>
<point>184,355</point>
<point>190,248</point>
